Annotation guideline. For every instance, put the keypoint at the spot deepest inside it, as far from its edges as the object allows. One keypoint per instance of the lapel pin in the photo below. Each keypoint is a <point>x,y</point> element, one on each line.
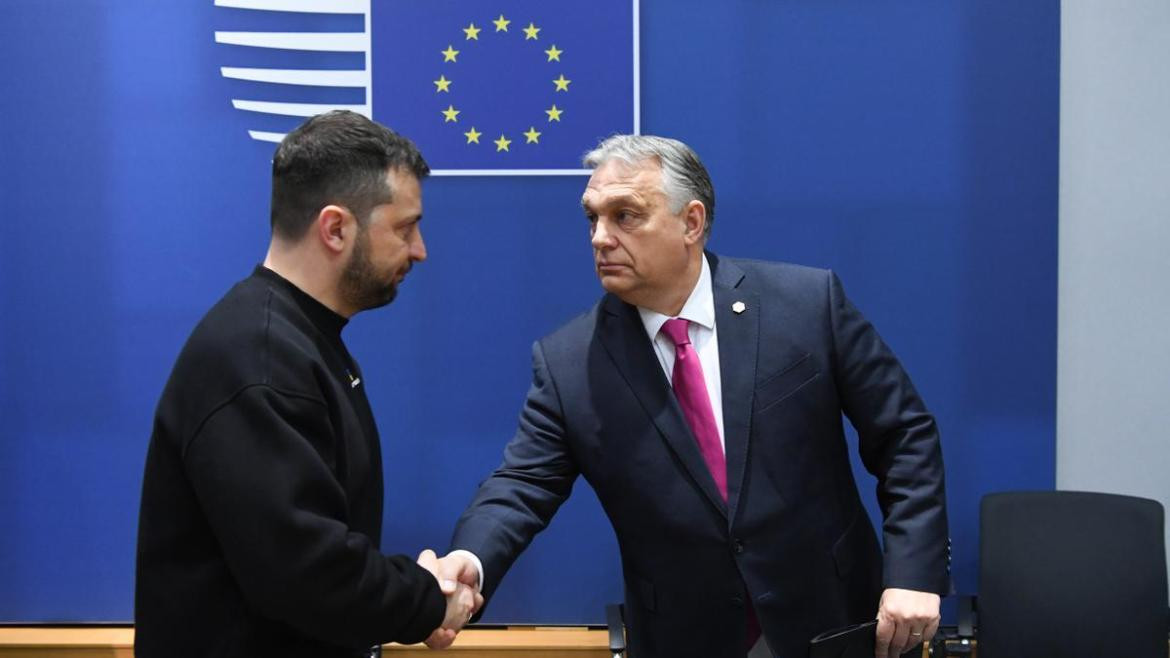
<point>738,307</point>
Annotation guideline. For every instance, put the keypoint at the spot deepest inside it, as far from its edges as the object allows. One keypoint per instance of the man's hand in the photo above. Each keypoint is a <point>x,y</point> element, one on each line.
<point>462,600</point>
<point>905,619</point>
<point>458,567</point>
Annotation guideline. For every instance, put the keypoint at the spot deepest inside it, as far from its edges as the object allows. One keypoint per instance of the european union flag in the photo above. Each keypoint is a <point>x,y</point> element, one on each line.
<point>507,87</point>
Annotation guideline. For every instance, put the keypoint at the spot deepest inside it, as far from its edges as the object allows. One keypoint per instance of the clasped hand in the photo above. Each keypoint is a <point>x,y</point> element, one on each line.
<point>906,618</point>
<point>458,580</point>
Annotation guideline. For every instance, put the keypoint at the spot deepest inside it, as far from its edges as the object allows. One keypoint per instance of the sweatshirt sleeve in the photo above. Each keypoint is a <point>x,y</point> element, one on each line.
<point>280,516</point>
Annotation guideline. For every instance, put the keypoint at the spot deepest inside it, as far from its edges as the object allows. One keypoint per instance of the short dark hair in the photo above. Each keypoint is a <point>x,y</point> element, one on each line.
<point>341,158</point>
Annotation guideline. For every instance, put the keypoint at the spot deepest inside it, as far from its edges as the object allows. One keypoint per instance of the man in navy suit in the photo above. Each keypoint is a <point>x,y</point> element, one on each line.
<point>702,398</point>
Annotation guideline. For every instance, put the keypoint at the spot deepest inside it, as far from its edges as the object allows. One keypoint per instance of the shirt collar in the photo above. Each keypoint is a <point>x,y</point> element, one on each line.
<point>699,307</point>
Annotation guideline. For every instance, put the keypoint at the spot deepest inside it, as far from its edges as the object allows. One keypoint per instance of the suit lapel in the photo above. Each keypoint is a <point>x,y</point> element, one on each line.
<point>624,338</point>
<point>739,342</point>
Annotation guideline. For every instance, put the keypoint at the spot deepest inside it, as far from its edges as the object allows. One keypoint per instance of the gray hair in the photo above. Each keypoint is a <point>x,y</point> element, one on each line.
<point>684,178</point>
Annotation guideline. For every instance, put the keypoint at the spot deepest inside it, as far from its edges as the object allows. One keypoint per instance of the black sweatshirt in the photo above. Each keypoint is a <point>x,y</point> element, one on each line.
<point>262,497</point>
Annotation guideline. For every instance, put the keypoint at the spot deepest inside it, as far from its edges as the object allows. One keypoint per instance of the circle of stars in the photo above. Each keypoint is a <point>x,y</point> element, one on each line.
<point>451,56</point>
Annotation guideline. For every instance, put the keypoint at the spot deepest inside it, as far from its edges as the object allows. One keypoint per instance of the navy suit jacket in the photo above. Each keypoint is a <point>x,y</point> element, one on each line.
<point>793,539</point>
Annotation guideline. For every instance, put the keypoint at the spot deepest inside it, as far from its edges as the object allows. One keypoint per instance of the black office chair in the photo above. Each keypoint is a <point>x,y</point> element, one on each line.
<point>1071,574</point>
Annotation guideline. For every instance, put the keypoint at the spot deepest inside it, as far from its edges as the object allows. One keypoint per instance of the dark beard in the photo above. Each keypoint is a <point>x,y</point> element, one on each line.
<point>360,286</point>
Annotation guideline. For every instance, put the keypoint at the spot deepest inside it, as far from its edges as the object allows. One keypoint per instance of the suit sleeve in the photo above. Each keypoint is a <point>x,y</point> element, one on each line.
<point>258,470</point>
<point>899,444</point>
<point>519,499</point>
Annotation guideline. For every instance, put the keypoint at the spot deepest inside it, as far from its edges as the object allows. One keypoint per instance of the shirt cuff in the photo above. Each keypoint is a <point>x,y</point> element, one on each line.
<point>474,560</point>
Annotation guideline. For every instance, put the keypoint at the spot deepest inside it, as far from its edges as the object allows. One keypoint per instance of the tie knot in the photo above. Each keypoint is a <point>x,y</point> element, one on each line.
<point>676,330</point>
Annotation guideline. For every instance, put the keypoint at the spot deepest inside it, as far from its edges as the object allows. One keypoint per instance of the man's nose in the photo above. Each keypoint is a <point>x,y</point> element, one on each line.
<point>602,238</point>
<point>418,249</point>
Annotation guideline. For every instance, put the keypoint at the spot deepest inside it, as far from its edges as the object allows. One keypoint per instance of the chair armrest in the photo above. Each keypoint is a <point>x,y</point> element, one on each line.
<point>968,614</point>
<point>617,629</point>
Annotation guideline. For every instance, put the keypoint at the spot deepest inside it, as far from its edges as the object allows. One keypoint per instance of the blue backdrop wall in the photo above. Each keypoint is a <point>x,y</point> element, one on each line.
<point>910,146</point>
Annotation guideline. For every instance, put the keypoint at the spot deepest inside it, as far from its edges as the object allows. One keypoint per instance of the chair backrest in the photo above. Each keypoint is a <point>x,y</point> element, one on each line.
<point>1071,574</point>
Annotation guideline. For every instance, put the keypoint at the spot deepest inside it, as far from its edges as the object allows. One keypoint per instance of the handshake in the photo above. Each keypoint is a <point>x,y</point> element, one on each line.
<point>458,579</point>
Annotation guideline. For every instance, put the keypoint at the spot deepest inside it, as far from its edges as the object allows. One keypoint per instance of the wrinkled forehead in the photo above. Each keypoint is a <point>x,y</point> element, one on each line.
<point>619,178</point>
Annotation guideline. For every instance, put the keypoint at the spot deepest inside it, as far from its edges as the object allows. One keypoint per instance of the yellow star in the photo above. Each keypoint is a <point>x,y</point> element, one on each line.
<point>561,83</point>
<point>443,84</point>
<point>472,136</point>
<point>450,113</point>
<point>501,24</point>
<point>530,32</point>
<point>502,143</point>
<point>554,114</point>
<point>449,54</point>
<point>553,53</point>
<point>532,135</point>
<point>472,32</point>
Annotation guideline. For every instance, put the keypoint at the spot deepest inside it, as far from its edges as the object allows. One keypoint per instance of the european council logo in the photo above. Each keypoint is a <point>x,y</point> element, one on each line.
<point>496,87</point>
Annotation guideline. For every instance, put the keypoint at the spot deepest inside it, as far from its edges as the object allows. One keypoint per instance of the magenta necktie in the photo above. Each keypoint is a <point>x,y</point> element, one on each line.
<point>691,390</point>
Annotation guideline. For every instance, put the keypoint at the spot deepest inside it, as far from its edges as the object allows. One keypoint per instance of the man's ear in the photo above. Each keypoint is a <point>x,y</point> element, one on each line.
<point>695,221</point>
<point>333,226</point>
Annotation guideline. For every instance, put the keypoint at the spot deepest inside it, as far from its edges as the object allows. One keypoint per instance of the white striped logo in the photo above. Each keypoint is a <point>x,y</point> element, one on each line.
<point>339,42</point>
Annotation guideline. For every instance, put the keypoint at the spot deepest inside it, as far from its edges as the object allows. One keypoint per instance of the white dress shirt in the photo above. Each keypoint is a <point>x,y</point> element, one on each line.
<point>700,310</point>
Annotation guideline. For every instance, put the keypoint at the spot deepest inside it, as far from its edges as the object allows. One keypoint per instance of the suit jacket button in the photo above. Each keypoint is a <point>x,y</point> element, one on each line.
<point>737,601</point>
<point>738,547</point>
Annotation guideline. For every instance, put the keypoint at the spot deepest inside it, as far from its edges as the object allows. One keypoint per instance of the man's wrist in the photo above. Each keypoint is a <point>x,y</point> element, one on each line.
<point>474,561</point>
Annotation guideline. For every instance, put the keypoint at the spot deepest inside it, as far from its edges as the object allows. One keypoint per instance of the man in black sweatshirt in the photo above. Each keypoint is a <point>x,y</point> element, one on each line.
<point>261,511</point>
